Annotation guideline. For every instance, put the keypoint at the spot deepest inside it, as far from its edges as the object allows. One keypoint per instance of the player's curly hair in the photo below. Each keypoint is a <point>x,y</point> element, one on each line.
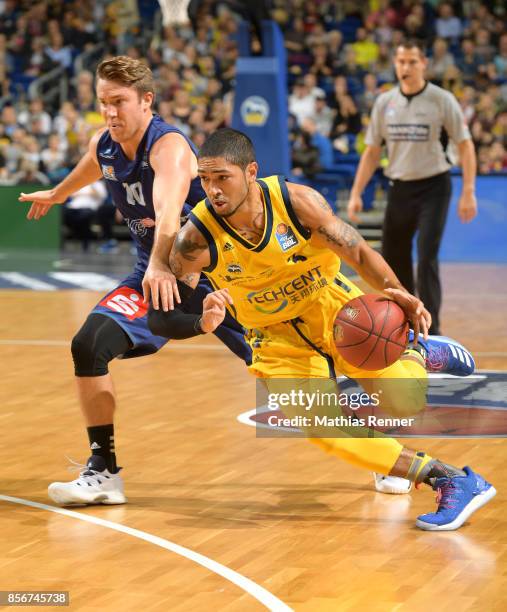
<point>232,145</point>
<point>129,72</point>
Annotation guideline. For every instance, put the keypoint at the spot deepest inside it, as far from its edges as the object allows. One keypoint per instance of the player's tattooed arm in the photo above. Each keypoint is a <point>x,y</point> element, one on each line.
<point>189,255</point>
<point>316,216</point>
<point>328,231</point>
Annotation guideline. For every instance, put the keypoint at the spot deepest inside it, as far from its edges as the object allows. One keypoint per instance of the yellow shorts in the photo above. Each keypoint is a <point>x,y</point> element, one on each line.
<point>304,347</point>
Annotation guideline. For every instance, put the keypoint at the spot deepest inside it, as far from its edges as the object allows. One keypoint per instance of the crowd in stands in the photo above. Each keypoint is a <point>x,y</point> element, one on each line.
<point>339,60</point>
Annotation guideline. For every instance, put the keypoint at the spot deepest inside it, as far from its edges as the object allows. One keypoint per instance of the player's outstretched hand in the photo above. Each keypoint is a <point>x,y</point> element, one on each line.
<point>213,309</point>
<point>414,310</point>
<point>41,202</point>
<point>159,285</point>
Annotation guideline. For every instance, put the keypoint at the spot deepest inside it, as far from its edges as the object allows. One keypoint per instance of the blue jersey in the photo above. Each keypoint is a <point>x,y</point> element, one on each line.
<point>130,182</point>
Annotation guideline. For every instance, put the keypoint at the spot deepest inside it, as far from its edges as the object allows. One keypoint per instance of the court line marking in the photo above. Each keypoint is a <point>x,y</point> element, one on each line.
<point>249,586</point>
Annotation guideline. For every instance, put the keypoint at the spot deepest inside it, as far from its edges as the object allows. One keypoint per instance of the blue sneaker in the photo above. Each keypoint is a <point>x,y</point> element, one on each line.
<point>458,498</point>
<point>110,247</point>
<point>446,355</point>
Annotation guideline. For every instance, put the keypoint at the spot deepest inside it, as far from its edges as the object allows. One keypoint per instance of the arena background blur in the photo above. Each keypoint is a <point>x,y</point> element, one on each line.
<point>338,61</point>
<point>247,520</point>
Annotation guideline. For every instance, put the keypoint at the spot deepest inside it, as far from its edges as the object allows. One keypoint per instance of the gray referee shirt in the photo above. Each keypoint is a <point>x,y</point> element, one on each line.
<point>411,127</point>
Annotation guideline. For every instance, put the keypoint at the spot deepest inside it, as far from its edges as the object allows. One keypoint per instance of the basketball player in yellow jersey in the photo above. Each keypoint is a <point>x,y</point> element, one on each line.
<point>272,250</point>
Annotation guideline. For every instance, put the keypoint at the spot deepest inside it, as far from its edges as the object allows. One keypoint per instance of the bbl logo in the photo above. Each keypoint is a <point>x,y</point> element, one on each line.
<point>285,236</point>
<point>254,111</point>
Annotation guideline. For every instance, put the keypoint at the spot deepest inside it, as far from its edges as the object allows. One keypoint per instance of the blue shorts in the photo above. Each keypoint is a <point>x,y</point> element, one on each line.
<point>125,305</point>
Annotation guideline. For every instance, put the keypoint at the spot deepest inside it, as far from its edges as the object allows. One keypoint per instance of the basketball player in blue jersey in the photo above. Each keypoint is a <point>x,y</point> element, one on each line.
<point>272,250</point>
<point>150,169</point>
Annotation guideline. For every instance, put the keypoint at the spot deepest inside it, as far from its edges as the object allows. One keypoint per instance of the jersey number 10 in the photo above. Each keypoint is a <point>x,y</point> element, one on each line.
<point>134,193</point>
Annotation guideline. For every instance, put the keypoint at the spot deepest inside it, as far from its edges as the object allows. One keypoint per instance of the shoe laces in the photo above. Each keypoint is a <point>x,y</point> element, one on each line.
<point>437,358</point>
<point>85,471</point>
<point>445,495</point>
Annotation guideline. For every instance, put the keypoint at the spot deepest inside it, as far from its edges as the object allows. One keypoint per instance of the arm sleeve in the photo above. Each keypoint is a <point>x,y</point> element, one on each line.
<point>454,120</point>
<point>175,324</point>
<point>374,133</point>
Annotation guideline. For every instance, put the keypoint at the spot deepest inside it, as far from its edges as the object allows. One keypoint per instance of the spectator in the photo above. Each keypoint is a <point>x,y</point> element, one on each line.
<point>323,116</point>
<point>38,61</point>
<point>321,65</point>
<point>9,120</point>
<point>6,59</point>
<point>37,113</point>
<point>467,103</point>
<point>500,127</point>
<point>31,151</point>
<point>9,16</point>
<point>305,157</point>
<point>336,50</point>
<point>369,94</point>
<point>440,61</point>
<point>421,27</point>
<point>383,33</point>
<point>500,60</point>
<point>322,143</point>
<point>301,102</point>
<point>383,66</point>
<point>347,122</point>
<point>310,80</point>
<point>366,50</point>
<point>484,50</point>
<point>447,26</point>
<point>29,173</point>
<point>53,159</point>
<point>13,150</point>
<point>81,209</point>
<point>352,69</point>
<point>57,52</point>
<point>181,107</point>
<point>497,157</point>
<point>468,63</point>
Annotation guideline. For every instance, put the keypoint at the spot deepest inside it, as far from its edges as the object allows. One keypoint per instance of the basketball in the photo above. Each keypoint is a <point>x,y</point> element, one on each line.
<point>371,332</point>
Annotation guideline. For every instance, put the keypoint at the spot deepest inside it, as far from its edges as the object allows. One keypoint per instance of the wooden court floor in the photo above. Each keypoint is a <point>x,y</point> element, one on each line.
<point>303,527</point>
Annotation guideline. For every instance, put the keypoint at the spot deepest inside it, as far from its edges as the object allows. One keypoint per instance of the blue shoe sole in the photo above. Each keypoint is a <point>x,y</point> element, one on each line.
<point>477,502</point>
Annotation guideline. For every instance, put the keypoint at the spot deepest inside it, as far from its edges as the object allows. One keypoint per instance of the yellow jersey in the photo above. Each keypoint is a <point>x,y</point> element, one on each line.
<point>275,280</point>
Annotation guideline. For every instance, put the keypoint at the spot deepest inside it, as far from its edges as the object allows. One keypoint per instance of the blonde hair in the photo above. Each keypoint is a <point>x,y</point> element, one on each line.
<point>129,72</point>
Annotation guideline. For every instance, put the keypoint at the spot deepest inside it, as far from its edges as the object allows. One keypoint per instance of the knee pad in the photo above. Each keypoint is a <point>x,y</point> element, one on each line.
<point>99,341</point>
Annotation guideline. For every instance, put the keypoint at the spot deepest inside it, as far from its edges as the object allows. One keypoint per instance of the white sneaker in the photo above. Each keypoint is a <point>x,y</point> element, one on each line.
<point>93,486</point>
<point>392,484</point>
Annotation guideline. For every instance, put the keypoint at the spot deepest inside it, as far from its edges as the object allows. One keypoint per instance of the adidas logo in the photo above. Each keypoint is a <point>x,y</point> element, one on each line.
<point>228,246</point>
<point>94,446</point>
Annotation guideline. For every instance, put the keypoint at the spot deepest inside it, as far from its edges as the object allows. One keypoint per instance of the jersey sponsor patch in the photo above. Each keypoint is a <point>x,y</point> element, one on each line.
<point>234,268</point>
<point>127,302</point>
<point>108,172</point>
<point>285,236</point>
<point>412,132</point>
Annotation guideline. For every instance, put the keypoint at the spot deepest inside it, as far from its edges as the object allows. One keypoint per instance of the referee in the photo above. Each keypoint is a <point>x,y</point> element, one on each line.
<point>415,119</point>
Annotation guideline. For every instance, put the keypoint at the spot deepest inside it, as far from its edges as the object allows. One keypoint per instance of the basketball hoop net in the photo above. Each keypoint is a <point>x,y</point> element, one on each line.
<point>174,11</point>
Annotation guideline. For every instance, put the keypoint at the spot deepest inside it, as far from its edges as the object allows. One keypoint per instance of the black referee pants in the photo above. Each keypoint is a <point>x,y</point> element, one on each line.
<point>417,207</point>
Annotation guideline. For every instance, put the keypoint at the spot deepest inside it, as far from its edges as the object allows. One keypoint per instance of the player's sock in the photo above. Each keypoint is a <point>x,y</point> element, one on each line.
<point>438,469</point>
<point>414,361</point>
<point>418,464</point>
<point>102,444</point>
<point>424,468</point>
